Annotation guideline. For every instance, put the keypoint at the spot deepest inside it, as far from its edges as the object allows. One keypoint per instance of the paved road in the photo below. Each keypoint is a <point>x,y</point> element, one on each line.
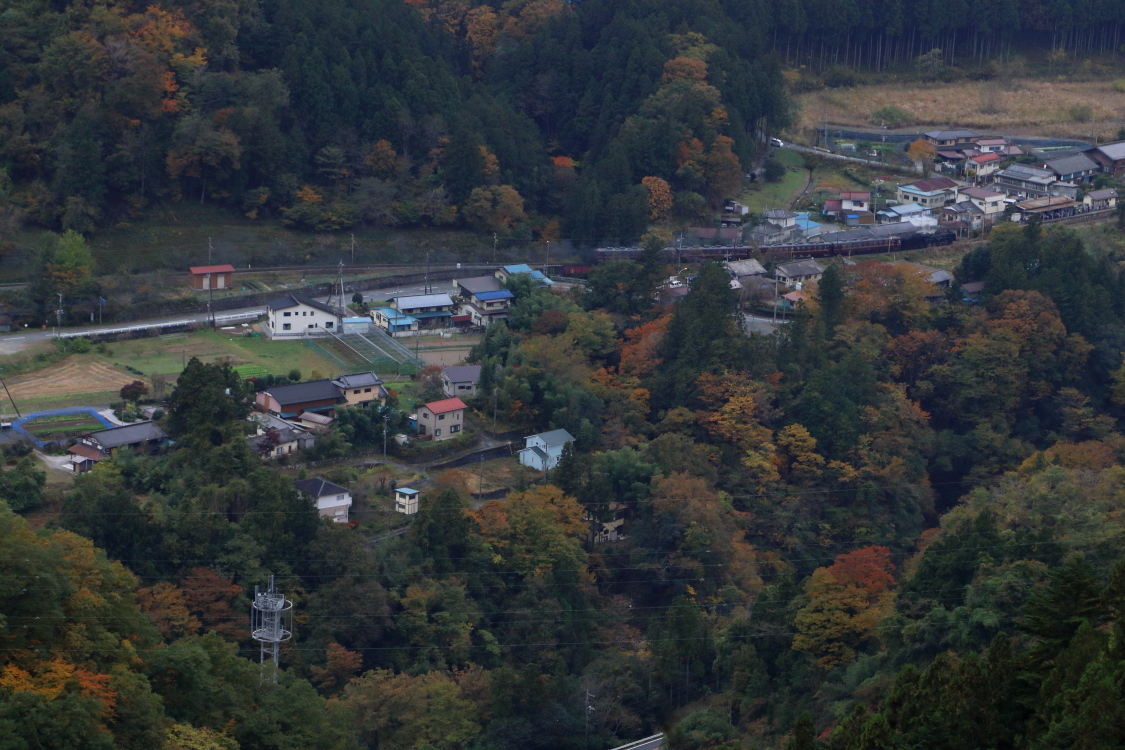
<point>852,159</point>
<point>902,136</point>
<point>761,324</point>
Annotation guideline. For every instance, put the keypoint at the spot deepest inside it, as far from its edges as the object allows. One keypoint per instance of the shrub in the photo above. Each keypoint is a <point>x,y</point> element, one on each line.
<point>838,77</point>
<point>1119,85</point>
<point>1081,113</point>
<point>892,117</point>
<point>773,170</point>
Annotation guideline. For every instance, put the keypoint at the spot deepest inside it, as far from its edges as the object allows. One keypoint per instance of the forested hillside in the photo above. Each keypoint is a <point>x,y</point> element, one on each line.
<point>896,524</point>
<point>332,114</point>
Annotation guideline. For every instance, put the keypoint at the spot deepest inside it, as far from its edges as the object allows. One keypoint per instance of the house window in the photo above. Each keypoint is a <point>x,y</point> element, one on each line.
<point>365,390</point>
<point>441,416</point>
<point>454,428</point>
<point>286,315</point>
<point>286,326</point>
<point>357,390</point>
<point>437,432</point>
<point>312,325</point>
<point>464,387</point>
<point>328,324</point>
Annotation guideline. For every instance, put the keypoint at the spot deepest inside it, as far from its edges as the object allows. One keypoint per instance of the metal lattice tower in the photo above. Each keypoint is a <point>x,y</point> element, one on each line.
<point>271,624</point>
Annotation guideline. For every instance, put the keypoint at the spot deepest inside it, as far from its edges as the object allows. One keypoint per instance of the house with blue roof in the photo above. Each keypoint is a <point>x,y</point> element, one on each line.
<point>395,322</point>
<point>505,271</point>
<point>482,301</point>
<point>806,226</point>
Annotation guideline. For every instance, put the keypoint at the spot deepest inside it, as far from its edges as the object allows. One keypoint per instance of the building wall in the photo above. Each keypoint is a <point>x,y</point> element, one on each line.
<point>440,426</point>
<point>366,395</point>
<point>218,281</point>
<point>301,319</point>
<point>459,390</point>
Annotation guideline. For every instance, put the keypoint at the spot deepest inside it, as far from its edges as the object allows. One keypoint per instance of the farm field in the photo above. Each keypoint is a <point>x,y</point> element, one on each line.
<point>1032,108</point>
<point>62,427</point>
<point>780,194</point>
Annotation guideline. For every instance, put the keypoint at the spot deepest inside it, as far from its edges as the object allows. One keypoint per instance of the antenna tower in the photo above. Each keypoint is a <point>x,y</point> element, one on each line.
<point>271,624</point>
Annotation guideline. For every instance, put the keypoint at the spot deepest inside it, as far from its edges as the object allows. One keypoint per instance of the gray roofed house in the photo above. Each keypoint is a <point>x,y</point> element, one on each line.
<point>460,381</point>
<point>479,284</point>
<point>1098,200</point>
<point>544,450</point>
<point>1022,181</point>
<point>798,272</point>
<point>332,500</point>
<point>136,435</point>
<point>1074,168</point>
<point>950,137</point>
<point>742,268</point>
<point>1111,157</point>
<point>290,300</point>
<point>290,400</point>
<point>361,388</point>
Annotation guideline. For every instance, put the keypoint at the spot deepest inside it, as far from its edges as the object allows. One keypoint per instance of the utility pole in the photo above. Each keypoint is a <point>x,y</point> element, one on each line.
<point>210,300</point>
<point>589,710</point>
<point>353,249</point>
<point>427,272</point>
<point>10,398</point>
<point>101,309</point>
<point>210,247</point>
<point>58,317</point>
<point>495,240</point>
<point>385,418</point>
<point>547,264</point>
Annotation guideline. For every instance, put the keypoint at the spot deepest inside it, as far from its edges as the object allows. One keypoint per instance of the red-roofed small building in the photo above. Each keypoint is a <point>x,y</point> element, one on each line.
<point>982,165</point>
<point>441,420</point>
<point>212,277</point>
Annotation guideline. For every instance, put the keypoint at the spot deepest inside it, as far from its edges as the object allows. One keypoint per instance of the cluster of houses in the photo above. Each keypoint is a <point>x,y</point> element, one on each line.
<point>478,302</point>
<point>788,284</point>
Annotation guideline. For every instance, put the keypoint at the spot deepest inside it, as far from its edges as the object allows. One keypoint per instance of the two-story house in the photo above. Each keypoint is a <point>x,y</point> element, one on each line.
<point>460,381</point>
<point>289,317</point>
<point>1109,156</point>
<point>931,193</point>
<point>1023,181</point>
<point>430,310</point>
<point>798,272</point>
<point>849,201</point>
<point>781,218</point>
<point>544,450</point>
<point>483,300</point>
<point>406,500</point>
<point>982,165</point>
<point>990,202</point>
<point>332,500</point>
<point>289,401</point>
<point>362,388</point>
<point>992,145</point>
<point>441,420</point>
<point>1077,168</point>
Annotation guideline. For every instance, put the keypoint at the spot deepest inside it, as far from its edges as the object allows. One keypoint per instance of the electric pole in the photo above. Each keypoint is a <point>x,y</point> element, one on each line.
<point>495,240</point>
<point>385,418</point>
<point>547,264</point>
<point>58,317</point>
<point>589,710</point>
<point>353,249</point>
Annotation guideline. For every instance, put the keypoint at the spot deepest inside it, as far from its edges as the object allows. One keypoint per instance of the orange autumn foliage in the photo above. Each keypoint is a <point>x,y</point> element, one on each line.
<point>869,568</point>
<point>639,350</point>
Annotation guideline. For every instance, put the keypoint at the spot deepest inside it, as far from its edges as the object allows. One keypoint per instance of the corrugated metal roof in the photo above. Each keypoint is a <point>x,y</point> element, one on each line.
<point>423,300</point>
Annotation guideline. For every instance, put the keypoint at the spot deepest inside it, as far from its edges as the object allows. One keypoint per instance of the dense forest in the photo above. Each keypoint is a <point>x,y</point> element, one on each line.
<point>376,112</point>
<point>896,523</point>
<point>528,119</point>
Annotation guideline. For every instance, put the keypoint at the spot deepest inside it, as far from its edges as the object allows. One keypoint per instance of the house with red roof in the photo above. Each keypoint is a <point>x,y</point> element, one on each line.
<point>441,420</point>
<point>849,201</point>
<point>982,165</point>
<point>212,277</point>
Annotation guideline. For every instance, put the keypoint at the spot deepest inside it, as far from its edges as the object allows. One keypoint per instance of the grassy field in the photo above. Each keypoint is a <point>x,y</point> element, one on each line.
<point>96,378</point>
<point>781,194</point>
<point>1044,107</point>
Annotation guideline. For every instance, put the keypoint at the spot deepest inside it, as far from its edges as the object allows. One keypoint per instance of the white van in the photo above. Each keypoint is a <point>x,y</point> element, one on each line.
<point>777,143</point>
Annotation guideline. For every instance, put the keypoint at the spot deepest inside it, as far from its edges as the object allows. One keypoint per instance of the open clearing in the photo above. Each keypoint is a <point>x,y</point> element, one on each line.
<point>1032,107</point>
<point>77,375</point>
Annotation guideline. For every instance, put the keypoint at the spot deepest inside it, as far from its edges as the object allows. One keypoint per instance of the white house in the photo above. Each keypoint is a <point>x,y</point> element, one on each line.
<point>990,202</point>
<point>406,500</point>
<point>332,500</point>
<point>288,317</point>
<point>428,310</point>
<point>798,272</point>
<point>544,450</point>
<point>931,193</point>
